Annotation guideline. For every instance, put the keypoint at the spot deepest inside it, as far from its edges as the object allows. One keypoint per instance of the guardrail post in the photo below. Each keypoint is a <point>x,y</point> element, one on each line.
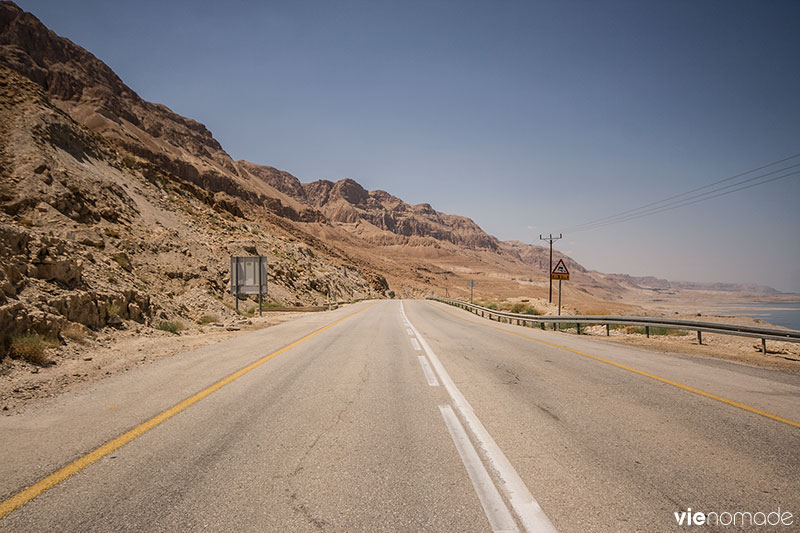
<point>647,331</point>
<point>542,324</point>
<point>699,337</point>
<point>608,330</point>
<point>764,346</point>
<point>579,327</point>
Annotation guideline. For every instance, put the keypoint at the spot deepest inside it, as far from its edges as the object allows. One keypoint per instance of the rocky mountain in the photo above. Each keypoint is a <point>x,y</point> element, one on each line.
<point>347,202</point>
<point>115,211</point>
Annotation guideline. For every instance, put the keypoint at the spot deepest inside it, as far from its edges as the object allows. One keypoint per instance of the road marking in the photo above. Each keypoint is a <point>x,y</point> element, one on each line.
<point>26,495</point>
<point>527,509</point>
<point>699,392</point>
<point>426,369</point>
<point>415,344</point>
<point>493,505</point>
<point>410,333</point>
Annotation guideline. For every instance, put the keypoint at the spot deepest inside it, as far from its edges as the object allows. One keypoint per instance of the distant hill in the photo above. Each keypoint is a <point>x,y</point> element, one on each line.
<point>650,282</point>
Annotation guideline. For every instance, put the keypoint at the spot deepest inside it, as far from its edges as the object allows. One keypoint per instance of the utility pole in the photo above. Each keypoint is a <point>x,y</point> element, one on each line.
<point>551,239</point>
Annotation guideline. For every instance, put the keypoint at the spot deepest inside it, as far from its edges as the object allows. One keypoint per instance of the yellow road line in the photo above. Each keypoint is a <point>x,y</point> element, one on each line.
<point>26,495</point>
<point>636,371</point>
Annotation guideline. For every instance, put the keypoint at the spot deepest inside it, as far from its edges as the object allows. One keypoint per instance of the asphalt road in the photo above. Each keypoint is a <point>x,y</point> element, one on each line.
<point>405,417</point>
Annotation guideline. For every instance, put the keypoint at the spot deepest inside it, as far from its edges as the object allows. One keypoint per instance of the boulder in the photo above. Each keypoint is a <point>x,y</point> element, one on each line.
<point>67,272</point>
<point>87,237</point>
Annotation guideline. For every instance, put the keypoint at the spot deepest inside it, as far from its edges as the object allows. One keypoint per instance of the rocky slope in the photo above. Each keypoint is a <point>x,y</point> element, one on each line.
<point>91,236</point>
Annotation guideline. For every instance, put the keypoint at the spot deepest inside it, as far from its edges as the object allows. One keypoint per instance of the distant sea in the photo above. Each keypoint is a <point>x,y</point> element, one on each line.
<point>785,314</point>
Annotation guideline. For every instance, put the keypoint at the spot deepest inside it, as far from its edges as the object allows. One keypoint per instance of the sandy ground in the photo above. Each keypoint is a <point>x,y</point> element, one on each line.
<point>109,352</point>
<point>783,356</point>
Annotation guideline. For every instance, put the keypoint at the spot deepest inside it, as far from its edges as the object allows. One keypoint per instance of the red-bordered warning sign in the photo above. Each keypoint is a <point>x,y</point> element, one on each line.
<point>560,271</point>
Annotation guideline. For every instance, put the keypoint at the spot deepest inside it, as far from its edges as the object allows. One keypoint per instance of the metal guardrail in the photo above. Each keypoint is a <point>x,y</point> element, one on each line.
<point>788,335</point>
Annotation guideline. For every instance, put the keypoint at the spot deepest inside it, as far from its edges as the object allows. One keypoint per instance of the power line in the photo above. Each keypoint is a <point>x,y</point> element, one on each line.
<point>689,201</point>
<point>680,203</point>
<point>655,206</point>
<point>621,216</point>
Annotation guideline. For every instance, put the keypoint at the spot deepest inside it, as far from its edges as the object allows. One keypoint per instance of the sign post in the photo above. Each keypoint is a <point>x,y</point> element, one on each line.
<point>471,285</point>
<point>249,276</point>
<point>560,273</point>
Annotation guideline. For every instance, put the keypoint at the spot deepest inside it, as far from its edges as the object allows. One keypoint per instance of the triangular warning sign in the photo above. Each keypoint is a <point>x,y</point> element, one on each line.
<point>560,268</point>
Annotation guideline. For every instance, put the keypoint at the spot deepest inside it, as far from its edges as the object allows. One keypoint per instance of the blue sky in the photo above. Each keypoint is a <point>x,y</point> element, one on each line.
<point>528,117</point>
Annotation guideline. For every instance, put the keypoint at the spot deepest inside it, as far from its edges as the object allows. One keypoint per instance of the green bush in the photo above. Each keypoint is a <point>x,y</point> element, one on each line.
<point>172,327</point>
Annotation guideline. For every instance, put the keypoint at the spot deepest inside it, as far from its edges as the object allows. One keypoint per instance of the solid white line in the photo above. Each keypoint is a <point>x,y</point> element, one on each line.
<point>429,375</point>
<point>525,506</point>
<point>493,505</point>
<point>415,344</point>
<point>410,333</point>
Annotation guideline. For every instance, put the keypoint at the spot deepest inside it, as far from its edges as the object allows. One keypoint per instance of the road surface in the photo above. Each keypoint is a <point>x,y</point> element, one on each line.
<point>412,416</point>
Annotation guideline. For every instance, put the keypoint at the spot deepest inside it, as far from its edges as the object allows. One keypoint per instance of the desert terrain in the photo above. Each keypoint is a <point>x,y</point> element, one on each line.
<point>118,218</point>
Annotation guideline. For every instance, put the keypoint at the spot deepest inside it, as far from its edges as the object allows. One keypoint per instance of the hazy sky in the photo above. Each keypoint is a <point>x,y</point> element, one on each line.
<point>528,117</point>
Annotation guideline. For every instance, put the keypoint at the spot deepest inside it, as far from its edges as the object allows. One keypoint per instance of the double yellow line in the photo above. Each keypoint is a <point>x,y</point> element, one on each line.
<point>26,495</point>
<point>637,371</point>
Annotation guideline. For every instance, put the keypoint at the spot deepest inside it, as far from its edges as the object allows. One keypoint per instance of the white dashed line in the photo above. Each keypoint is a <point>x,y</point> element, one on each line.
<point>493,505</point>
<point>527,509</point>
<point>429,375</point>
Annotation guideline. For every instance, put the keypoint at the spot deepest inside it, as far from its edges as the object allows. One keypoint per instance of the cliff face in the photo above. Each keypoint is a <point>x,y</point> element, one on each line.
<point>92,94</point>
<point>347,202</point>
<point>394,221</point>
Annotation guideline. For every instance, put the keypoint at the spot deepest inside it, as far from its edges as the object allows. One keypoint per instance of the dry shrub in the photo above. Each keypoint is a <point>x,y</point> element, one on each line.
<point>75,332</point>
<point>596,312</point>
<point>518,307</point>
<point>31,347</point>
<point>172,327</point>
<point>208,319</point>
<point>525,309</point>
